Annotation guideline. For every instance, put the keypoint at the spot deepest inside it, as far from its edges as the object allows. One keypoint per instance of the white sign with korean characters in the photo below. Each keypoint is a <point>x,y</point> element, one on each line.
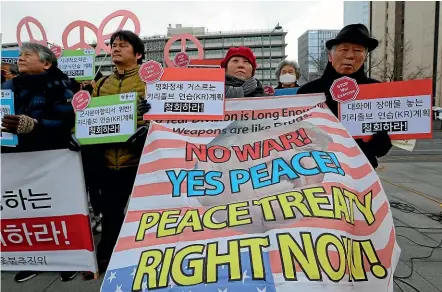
<point>78,64</point>
<point>405,116</point>
<point>187,94</point>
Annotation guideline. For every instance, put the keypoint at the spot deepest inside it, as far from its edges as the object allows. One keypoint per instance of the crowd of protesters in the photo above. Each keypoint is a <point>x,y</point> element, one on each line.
<point>44,117</point>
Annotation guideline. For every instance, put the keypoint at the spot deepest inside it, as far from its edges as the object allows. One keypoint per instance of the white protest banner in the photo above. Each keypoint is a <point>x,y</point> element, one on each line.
<point>7,108</point>
<point>401,108</point>
<point>276,197</point>
<point>107,119</point>
<point>187,94</point>
<point>45,222</point>
<point>78,64</point>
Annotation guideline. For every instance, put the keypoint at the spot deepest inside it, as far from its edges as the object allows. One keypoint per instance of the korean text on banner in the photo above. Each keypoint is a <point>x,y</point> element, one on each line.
<point>7,108</point>
<point>45,220</point>
<point>401,108</point>
<point>107,119</point>
<point>10,56</point>
<point>78,64</point>
<point>187,94</point>
<point>276,197</point>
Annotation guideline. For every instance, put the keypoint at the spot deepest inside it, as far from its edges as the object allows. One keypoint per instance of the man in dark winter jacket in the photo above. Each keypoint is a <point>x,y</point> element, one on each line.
<point>348,52</point>
<point>240,64</point>
<point>43,116</point>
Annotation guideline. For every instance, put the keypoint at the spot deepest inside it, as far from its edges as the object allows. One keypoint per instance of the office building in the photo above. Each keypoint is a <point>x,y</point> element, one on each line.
<point>356,12</point>
<point>217,43</point>
<point>266,44</point>
<point>312,53</point>
<point>410,42</point>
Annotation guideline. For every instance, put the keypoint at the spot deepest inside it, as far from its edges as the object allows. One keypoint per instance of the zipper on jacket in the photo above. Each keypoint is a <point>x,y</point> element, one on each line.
<point>119,91</point>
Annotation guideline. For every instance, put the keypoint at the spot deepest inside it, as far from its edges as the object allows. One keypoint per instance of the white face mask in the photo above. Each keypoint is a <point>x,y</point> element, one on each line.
<point>287,78</point>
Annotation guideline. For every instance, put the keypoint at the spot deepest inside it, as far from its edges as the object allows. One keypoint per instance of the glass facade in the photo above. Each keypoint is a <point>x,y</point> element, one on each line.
<point>312,53</point>
<point>356,12</point>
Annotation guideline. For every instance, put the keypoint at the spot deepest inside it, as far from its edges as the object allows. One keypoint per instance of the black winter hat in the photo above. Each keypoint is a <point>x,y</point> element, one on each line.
<point>356,34</point>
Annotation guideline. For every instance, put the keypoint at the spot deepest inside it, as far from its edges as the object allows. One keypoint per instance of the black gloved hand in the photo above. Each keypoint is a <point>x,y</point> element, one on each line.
<point>143,106</point>
<point>138,135</point>
<point>381,143</point>
<point>74,144</point>
<point>368,151</point>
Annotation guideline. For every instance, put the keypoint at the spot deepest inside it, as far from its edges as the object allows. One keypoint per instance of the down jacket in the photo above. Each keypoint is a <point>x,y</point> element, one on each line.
<point>45,97</point>
<point>120,155</point>
<point>380,143</point>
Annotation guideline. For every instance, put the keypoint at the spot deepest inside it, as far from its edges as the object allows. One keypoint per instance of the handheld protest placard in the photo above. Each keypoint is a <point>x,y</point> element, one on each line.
<point>107,119</point>
<point>402,108</point>
<point>277,196</point>
<point>187,94</point>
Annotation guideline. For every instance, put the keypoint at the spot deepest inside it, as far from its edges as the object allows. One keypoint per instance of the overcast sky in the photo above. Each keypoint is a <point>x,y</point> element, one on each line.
<point>294,16</point>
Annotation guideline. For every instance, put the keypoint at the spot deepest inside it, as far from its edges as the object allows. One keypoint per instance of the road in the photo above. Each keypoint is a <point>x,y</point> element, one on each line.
<point>425,150</point>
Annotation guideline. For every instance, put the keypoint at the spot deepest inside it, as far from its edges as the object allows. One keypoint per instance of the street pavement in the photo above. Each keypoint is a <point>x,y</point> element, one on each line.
<point>412,178</point>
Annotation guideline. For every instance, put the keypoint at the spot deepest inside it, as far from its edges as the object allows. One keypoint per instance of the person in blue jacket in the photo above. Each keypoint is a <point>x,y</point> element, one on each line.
<point>43,116</point>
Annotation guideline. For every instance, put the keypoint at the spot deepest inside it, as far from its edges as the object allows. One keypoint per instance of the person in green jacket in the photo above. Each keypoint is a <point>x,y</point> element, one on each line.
<point>115,165</point>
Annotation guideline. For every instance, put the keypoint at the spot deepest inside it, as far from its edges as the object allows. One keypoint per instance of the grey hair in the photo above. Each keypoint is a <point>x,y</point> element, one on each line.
<point>294,64</point>
<point>13,68</point>
<point>45,54</point>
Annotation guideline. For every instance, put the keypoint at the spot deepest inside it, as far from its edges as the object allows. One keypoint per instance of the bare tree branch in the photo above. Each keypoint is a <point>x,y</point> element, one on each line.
<point>387,69</point>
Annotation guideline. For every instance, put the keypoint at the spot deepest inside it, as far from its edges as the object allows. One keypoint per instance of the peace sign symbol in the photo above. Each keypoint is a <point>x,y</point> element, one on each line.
<point>82,43</point>
<point>183,38</point>
<point>126,15</point>
<point>25,21</point>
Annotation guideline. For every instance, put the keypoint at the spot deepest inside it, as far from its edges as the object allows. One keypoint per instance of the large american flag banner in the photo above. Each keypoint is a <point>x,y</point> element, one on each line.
<point>277,197</point>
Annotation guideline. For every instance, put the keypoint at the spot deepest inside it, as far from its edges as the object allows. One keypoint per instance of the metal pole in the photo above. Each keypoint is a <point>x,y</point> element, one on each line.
<point>270,68</point>
<point>101,64</point>
<point>371,31</point>
<point>435,49</point>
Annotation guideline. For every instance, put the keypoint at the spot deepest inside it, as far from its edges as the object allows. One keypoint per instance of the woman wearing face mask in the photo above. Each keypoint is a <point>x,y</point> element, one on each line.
<point>287,73</point>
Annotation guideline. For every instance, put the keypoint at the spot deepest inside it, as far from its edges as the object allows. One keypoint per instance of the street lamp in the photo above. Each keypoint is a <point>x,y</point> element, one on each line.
<point>277,27</point>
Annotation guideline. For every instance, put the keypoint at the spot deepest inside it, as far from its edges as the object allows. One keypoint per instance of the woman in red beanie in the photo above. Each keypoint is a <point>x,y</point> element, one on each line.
<point>240,65</point>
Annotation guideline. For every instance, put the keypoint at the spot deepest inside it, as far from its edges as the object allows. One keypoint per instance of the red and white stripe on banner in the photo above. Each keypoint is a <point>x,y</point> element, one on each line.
<point>165,149</point>
<point>45,222</point>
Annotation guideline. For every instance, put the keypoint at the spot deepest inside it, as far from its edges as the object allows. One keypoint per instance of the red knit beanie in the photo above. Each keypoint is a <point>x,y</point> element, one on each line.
<point>244,52</point>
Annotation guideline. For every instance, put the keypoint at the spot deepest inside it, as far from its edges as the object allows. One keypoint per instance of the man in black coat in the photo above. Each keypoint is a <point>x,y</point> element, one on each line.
<point>348,52</point>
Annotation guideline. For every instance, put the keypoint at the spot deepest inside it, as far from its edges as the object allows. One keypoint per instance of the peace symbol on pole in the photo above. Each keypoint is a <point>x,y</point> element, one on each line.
<point>183,38</point>
<point>126,16</point>
<point>82,43</point>
<point>26,21</point>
